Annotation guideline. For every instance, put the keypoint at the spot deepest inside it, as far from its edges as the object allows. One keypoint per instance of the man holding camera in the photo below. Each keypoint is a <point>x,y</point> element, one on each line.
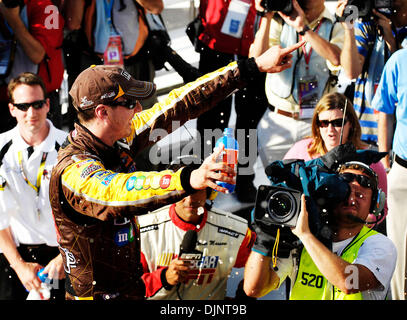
<point>376,36</point>
<point>360,265</point>
<point>292,95</point>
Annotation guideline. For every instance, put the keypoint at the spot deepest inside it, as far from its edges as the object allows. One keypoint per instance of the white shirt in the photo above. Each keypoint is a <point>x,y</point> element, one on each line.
<point>220,236</point>
<point>18,200</point>
<point>377,253</point>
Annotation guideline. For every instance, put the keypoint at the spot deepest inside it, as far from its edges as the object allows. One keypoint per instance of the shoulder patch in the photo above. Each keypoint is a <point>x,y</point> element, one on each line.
<point>228,232</point>
<point>149,228</point>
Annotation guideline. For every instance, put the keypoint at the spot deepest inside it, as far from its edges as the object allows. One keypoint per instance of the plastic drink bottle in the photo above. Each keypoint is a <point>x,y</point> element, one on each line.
<point>44,293</point>
<point>230,154</point>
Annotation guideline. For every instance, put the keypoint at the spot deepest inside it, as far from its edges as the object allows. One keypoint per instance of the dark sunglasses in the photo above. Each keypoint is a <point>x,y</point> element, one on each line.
<point>364,181</point>
<point>129,104</point>
<point>336,123</point>
<point>25,106</point>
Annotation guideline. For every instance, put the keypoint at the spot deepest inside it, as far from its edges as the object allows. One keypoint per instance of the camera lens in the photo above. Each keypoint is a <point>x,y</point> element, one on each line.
<point>281,206</point>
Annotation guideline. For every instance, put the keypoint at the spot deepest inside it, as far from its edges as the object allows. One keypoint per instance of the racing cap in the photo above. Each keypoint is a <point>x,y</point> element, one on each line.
<point>101,84</point>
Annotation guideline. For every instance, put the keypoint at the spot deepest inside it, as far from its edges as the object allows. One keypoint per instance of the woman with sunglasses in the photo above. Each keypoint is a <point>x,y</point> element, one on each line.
<point>330,129</point>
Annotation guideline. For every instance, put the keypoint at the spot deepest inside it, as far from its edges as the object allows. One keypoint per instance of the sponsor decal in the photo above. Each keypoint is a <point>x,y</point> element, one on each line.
<point>106,181</point>
<point>130,183</point>
<point>146,184</point>
<point>121,221</point>
<point>139,183</point>
<point>165,181</point>
<point>89,170</point>
<point>81,163</point>
<point>124,236</point>
<point>85,102</point>
<point>228,232</point>
<point>149,228</point>
<point>70,260</point>
<point>126,75</point>
<point>203,270</point>
<point>105,176</point>
<point>108,95</point>
<point>155,182</point>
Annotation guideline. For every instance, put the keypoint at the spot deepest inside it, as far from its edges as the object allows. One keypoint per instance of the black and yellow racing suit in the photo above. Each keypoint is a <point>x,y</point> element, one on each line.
<point>96,191</point>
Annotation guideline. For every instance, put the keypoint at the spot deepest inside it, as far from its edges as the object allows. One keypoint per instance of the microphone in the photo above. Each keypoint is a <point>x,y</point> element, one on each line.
<point>187,249</point>
<point>358,220</point>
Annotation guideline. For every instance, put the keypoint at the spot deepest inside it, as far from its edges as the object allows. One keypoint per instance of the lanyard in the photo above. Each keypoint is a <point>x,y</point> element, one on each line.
<point>307,56</point>
<point>40,172</point>
<point>108,12</point>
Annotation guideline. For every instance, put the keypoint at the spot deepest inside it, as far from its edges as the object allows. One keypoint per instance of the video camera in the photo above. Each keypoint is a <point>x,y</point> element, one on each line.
<point>285,7</point>
<point>159,44</point>
<point>278,206</point>
<point>12,3</point>
<point>365,8</point>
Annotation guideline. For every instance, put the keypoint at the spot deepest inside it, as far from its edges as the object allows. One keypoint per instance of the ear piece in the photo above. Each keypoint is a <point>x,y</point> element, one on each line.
<point>378,203</point>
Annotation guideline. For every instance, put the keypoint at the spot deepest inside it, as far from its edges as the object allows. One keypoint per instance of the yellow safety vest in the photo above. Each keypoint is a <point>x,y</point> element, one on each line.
<point>310,284</point>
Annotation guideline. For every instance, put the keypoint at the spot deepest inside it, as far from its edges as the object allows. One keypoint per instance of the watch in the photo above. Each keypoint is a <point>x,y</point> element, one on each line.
<point>304,30</point>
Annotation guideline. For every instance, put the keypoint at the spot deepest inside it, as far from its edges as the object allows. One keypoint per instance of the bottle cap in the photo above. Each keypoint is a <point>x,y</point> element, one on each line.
<point>42,276</point>
<point>228,131</point>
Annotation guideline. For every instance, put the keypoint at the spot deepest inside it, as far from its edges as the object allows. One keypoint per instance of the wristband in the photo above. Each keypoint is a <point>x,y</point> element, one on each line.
<point>164,282</point>
<point>304,30</point>
<point>261,13</point>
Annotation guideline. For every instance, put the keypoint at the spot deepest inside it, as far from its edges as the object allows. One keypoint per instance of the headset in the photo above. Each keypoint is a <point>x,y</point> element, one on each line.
<point>195,161</point>
<point>378,201</point>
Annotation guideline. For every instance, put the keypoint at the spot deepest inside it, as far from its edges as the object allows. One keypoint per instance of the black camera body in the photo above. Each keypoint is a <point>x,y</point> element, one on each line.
<point>278,205</point>
<point>12,3</point>
<point>365,7</point>
<point>285,7</point>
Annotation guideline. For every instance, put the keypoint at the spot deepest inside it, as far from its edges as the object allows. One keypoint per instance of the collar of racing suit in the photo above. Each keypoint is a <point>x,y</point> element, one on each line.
<point>85,139</point>
<point>183,225</point>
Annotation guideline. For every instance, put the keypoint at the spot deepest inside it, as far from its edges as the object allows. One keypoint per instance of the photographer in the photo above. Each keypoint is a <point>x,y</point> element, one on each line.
<point>361,262</point>
<point>31,34</point>
<point>292,95</point>
<point>375,37</point>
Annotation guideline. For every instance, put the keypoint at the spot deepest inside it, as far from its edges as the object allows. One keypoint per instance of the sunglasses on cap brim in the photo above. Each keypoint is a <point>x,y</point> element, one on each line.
<point>25,106</point>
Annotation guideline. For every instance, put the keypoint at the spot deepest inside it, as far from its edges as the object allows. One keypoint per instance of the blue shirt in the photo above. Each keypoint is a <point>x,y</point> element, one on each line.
<point>391,98</point>
<point>374,49</point>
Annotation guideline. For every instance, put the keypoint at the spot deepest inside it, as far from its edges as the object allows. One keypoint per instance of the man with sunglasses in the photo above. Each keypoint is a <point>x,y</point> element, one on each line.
<point>28,152</point>
<point>360,265</point>
<point>96,190</point>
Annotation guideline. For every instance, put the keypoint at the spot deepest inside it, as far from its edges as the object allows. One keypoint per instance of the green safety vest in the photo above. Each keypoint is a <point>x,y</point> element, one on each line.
<point>310,284</point>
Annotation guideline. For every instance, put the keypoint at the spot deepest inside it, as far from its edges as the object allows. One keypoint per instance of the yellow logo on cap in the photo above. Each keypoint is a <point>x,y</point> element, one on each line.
<point>120,93</point>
